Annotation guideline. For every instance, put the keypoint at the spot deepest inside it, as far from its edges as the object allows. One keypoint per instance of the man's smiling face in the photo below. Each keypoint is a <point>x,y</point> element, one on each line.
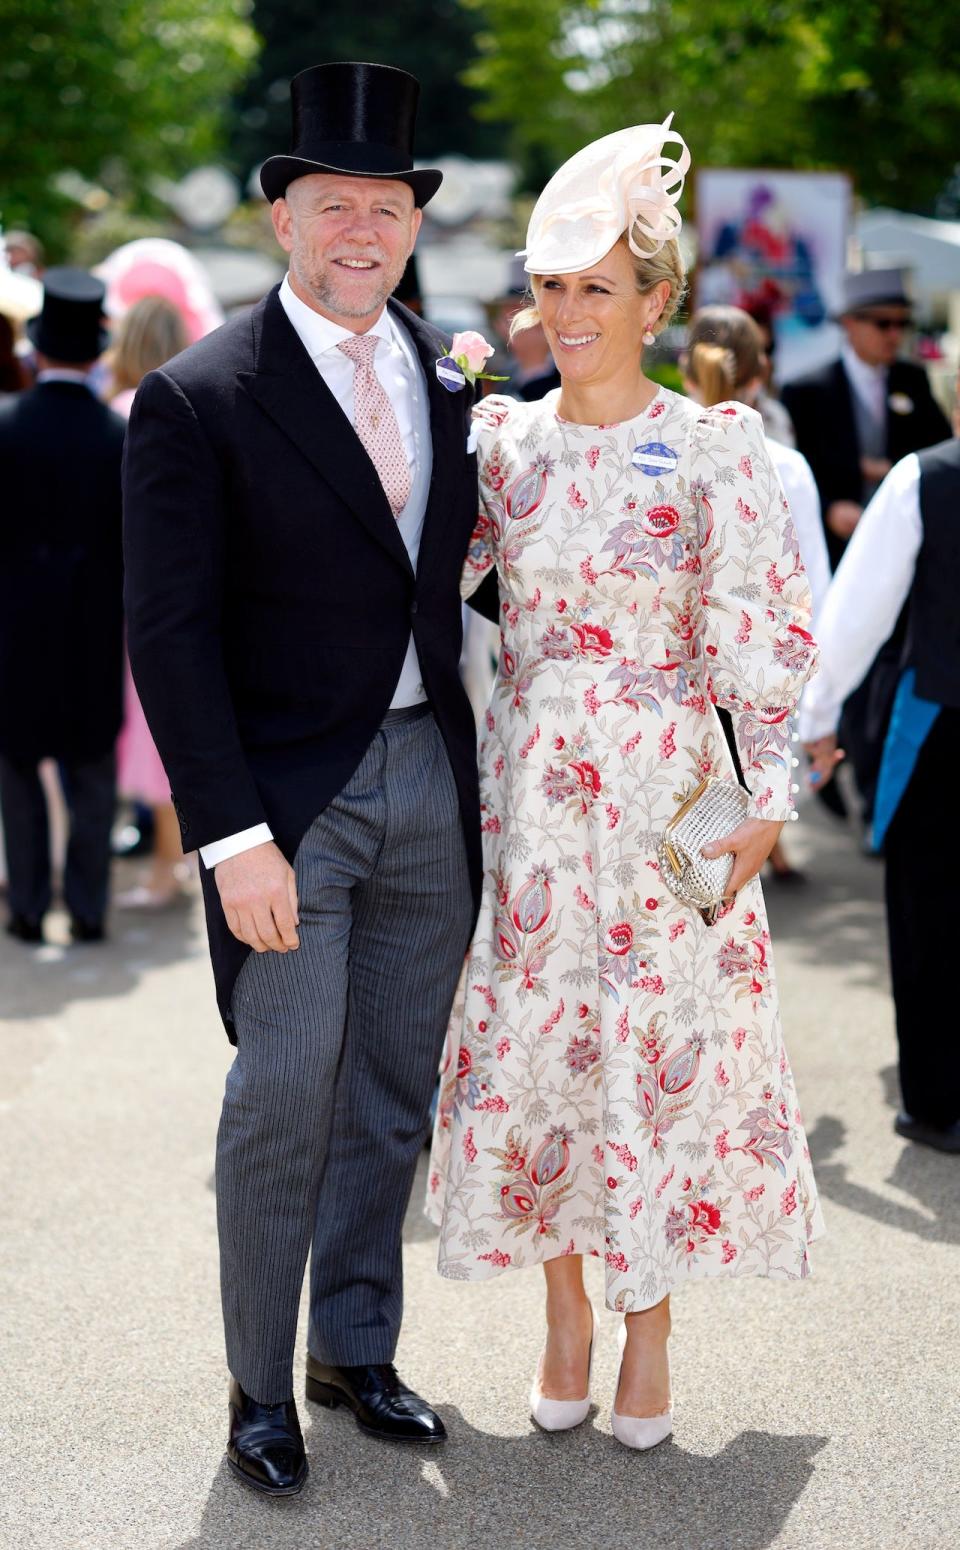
<point>348,240</point>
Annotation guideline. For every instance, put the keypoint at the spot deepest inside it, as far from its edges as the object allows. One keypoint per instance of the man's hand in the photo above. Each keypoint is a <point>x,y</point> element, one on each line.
<point>750,844</point>
<point>258,891</point>
<point>824,756</point>
<point>842,517</point>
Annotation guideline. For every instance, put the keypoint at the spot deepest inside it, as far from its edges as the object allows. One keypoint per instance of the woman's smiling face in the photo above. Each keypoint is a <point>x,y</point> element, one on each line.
<point>595,320</point>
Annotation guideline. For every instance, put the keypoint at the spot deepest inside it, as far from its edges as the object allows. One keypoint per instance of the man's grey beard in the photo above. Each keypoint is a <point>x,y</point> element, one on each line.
<point>325,291</point>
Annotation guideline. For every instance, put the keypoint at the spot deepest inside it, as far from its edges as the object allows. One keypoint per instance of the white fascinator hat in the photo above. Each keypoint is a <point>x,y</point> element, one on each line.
<point>624,182</point>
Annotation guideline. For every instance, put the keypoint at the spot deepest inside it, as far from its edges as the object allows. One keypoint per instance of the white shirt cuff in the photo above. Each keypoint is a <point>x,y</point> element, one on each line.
<point>233,844</point>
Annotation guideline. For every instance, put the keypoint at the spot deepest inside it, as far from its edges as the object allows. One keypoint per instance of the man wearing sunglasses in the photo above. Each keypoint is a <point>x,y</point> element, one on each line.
<point>854,419</point>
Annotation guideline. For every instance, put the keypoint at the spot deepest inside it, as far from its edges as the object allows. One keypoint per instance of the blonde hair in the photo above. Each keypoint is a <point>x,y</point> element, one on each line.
<point>724,352</point>
<point>150,334</point>
<point>650,270</point>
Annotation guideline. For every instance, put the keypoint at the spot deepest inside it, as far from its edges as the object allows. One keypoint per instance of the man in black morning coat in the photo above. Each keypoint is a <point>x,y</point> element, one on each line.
<point>61,614</point>
<point>299,496</point>
<point>854,419</point>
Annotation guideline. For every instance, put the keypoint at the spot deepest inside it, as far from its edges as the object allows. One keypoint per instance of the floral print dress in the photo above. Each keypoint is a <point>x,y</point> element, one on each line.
<point>614,1080</point>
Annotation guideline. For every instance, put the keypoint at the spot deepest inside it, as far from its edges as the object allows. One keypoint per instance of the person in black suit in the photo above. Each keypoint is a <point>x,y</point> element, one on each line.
<point>300,490</point>
<point>854,419</point>
<point>61,614</point>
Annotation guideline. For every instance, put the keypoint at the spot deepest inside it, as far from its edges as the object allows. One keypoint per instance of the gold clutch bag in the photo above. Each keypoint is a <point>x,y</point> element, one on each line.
<point>713,811</point>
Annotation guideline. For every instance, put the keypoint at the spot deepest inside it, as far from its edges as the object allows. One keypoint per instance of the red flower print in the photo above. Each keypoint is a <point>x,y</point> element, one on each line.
<point>745,512</point>
<point>636,1206</point>
<point>711,651</point>
<point>651,983</point>
<point>631,743</point>
<point>656,410</point>
<point>788,1200</point>
<point>623,1155</point>
<point>720,1076</point>
<point>611,1181</point>
<point>496,1257</point>
<point>592,641</point>
<point>469,1150</point>
<point>755,1193</point>
<point>728,1252</point>
<point>434,1183</point>
<point>587,572</point>
<point>582,1054</point>
<point>677,929</point>
<point>746,625</point>
<point>588,777</point>
<point>619,938</point>
<point>667,744</point>
<point>559,742</point>
<point>575,499</point>
<point>660,521</point>
<point>617,1262</point>
<point>592,456</point>
<point>613,815</point>
<point>739,1034</point>
<point>561,605</point>
<point>597,1154</point>
<point>464,1062</point>
<point>721,1146</point>
<point>503,1048</point>
<point>591,702</point>
<point>746,467</point>
<point>653,904</point>
<point>495,1105</point>
<point>665,1181</point>
<point>623,1028</point>
<point>704,1216</point>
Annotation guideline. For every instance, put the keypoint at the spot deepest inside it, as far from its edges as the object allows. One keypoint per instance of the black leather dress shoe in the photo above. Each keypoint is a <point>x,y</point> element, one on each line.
<point>86,931</point>
<point>383,1405</point>
<point>265,1445</point>
<point>943,1138</point>
<point>24,930</point>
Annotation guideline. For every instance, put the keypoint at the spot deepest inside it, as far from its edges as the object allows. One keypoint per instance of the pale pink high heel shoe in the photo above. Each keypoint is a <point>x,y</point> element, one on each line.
<point>640,1431</point>
<point>561,1415</point>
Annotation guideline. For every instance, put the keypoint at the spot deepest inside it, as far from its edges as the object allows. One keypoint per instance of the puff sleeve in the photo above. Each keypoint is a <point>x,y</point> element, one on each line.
<point>755,602</point>
<point>489,418</point>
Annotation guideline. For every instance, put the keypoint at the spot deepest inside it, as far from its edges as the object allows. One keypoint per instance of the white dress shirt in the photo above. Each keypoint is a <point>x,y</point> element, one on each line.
<point>396,365</point>
<point>800,488</point>
<point>872,583</point>
<point>868,382</point>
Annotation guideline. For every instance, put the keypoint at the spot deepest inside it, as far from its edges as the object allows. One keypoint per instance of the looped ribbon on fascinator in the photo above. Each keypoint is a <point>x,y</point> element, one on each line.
<point>621,183</point>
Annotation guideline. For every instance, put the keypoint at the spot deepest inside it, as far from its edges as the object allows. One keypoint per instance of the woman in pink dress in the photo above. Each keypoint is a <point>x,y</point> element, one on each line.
<point>150,334</point>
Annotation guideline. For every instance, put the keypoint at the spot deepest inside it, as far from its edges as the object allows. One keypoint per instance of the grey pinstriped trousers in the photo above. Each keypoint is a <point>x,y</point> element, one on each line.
<point>338,1044</point>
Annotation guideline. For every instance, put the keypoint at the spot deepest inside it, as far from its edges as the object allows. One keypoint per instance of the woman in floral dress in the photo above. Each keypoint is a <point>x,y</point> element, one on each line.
<point>615,1082</point>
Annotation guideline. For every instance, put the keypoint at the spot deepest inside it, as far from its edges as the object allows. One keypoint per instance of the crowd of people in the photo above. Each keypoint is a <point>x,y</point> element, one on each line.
<point>665,570</point>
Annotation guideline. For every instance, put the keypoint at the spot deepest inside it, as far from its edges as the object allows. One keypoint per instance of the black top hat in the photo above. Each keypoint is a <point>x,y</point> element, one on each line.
<point>352,118</point>
<point>70,327</point>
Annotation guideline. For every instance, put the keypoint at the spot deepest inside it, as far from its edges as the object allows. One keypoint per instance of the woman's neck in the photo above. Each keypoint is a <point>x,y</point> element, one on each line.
<point>605,403</point>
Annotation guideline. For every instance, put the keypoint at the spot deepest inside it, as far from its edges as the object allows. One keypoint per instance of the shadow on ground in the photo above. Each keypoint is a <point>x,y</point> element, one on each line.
<point>927,1177</point>
<point>534,1492</point>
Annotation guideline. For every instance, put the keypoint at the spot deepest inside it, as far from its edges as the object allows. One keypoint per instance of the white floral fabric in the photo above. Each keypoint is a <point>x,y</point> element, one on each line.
<point>614,1080</point>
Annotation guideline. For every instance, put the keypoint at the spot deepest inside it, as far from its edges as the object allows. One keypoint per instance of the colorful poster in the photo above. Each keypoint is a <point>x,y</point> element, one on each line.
<point>777,241</point>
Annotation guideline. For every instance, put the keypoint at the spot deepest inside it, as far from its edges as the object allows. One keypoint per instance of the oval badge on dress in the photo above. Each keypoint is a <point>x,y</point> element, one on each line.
<point>655,459</point>
<point>449,374</point>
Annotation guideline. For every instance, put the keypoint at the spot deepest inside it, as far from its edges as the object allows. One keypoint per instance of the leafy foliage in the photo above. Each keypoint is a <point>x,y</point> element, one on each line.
<point>118,91</point>
<point>870,86</point>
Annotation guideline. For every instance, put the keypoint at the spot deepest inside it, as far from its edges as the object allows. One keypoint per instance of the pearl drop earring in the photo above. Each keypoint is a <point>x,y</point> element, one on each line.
<point>649,336</point>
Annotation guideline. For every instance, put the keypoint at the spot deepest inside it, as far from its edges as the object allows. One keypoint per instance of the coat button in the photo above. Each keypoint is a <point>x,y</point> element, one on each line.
<point>413,608</point>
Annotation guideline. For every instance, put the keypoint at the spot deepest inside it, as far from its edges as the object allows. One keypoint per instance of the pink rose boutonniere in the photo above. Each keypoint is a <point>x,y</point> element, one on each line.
<point>469,353</point>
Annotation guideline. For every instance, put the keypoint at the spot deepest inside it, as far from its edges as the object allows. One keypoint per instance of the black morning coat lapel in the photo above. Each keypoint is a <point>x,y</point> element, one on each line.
<point>288,387</point>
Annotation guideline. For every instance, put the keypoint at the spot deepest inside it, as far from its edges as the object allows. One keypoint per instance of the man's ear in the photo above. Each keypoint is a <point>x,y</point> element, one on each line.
<point>282,217</point>
<point>415,225</point>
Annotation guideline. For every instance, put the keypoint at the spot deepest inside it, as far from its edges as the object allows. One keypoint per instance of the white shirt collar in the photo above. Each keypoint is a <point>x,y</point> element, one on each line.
<point>869,380</point>
<point>64,374</point>
<point>317,333</point>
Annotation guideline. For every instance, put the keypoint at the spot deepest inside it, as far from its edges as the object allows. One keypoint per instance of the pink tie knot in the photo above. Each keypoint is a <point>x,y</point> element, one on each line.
<point>361,350</point>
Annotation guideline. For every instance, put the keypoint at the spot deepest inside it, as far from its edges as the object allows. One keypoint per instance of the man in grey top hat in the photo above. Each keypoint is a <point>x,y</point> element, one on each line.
<point>857,416</point>
<point>854,419</point>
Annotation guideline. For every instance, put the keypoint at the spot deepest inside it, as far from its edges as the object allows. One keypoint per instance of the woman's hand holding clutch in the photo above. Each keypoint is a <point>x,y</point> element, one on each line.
<point>750,844</point>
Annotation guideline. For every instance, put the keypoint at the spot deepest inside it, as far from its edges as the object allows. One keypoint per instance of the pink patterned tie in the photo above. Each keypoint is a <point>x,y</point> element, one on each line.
<point>375,422</point>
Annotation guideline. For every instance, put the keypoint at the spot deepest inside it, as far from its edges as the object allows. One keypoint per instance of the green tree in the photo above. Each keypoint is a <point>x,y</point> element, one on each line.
<point>118,91</point>
<point>433,39</point>
<point>868,86</point>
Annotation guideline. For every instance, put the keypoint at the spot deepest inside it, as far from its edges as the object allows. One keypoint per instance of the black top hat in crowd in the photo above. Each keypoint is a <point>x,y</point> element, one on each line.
<point>352,118</point>
<point>70,326</point>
